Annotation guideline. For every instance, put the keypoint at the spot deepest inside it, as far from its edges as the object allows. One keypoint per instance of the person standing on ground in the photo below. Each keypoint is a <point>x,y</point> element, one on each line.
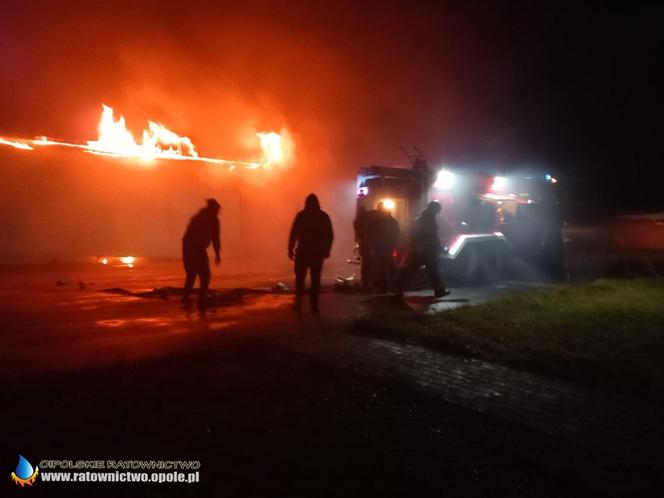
<point>309,243</point>
<point>424,250</point>
<point>360,227</point>
<point>203,229</point>
<point>383,237</point>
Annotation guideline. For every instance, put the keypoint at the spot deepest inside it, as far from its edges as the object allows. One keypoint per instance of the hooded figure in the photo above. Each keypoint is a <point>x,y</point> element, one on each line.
<point>309,244</point>
<point>424,250</point>
<point>203,229</point>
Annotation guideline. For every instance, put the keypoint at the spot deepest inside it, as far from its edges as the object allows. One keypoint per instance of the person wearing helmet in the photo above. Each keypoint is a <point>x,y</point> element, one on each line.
<point>309,243</point>
<point>424,250</point>
<point>203,229</point>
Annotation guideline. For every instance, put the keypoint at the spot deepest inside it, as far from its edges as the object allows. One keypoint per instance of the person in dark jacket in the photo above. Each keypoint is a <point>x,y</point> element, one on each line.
<point>424,250</point>
<point>382,237</point>
<point>202,230</point>
<point>360,227</point>
<point>309,244</point>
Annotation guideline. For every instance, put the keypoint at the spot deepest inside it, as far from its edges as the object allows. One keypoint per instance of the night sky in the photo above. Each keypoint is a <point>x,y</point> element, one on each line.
<point>573,90</point>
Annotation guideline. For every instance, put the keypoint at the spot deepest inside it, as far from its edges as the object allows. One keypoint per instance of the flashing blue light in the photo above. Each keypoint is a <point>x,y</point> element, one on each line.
<point>548,177</point>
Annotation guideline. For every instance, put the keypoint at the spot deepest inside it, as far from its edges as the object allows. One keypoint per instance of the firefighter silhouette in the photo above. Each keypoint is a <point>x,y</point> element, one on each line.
<point>360,227</point>
<point>309,243</point>
<point>424,250</point>
<point>203,229</point>
<point>382,237</point>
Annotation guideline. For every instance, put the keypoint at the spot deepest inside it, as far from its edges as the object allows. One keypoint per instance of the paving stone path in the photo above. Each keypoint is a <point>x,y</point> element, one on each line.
<point>618,423</point>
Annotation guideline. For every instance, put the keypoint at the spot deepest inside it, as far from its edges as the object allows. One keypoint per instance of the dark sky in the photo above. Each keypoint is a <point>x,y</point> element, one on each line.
<point>575,90</point>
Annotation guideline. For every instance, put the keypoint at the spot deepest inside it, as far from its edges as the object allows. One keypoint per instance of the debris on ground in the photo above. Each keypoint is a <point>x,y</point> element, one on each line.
<point>214,298</point>
<point>225,298</point>
<point>119,290</point>
<point>346,284</point>
<point>280,287</point>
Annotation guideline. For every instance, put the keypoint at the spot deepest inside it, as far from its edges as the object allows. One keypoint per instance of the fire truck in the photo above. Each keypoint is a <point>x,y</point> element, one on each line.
<point>492,226</point>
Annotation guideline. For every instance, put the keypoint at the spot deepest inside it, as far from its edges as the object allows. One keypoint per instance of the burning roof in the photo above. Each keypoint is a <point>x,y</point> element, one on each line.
<point>158,142</point>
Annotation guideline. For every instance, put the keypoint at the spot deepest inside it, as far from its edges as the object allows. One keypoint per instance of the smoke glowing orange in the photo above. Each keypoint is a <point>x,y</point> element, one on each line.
<point>158,142</point>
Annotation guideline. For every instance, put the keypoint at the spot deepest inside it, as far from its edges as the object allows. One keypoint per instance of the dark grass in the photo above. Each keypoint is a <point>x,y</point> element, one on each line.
<point>609,333</point>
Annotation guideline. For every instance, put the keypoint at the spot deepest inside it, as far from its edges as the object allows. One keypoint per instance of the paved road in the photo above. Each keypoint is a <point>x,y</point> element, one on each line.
<point>46,322</point>
<point>617,423</point>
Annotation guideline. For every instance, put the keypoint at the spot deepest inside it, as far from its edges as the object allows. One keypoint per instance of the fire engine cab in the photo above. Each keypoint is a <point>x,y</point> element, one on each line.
<point>491,226</point>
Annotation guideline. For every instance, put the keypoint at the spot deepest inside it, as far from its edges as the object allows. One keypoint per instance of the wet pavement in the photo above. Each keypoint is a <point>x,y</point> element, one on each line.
<point>91,314</point>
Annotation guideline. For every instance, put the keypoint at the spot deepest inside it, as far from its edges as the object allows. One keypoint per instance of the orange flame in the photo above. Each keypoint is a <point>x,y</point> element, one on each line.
<point>271,145</point>
<point>17,145</point>
<point>158,142</point>
<point>25,482</point>
<point>128,260</point>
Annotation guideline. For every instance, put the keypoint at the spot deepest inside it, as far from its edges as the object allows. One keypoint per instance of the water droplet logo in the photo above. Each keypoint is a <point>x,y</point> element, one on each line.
<point>24,473</point>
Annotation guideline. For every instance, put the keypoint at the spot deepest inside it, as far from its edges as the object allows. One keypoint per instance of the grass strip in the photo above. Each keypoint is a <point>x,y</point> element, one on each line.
<point>608,333</point>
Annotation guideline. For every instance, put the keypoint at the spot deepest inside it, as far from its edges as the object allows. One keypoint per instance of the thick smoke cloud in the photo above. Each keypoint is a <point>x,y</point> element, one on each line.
<point>362,77</point>
<point>349,95</point>
<point>490,83</point>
